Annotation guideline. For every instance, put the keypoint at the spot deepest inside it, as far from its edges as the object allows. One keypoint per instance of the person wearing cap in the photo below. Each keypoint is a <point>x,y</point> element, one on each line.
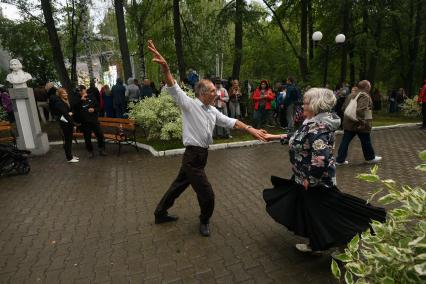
<point>199,118</point>
<point>262,99</point>
<point>422,100</point>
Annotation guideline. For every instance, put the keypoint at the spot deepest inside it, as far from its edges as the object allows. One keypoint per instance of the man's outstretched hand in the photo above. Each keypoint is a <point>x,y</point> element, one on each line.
<point>259,134</point>
<point>158,58</point>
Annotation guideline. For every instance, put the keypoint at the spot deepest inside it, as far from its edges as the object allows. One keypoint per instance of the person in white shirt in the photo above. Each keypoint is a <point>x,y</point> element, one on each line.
<point>199,119</point>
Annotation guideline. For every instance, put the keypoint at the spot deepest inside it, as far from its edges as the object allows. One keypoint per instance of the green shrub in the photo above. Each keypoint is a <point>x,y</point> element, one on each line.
<point>396,251</point>
<point>411,108</point>
<point>159,116</point>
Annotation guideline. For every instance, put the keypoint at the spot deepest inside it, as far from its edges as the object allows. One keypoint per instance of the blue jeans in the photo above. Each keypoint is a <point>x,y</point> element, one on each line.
<point>367,147</point>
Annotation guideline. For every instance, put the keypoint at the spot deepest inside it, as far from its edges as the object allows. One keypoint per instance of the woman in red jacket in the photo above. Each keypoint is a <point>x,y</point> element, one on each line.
<point>262,100</point>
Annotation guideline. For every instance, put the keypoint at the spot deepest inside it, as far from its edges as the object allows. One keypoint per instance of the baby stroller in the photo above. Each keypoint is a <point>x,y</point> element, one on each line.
<point>12,159</point>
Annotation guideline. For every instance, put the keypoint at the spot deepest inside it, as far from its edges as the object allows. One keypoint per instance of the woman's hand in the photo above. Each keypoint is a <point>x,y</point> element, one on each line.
<point>70,113</point>
<point>305,184</point>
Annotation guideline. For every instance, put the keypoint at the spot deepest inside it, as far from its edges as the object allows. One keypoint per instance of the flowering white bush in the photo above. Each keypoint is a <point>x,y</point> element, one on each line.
<point>159,116</point>
<point>411,108</point>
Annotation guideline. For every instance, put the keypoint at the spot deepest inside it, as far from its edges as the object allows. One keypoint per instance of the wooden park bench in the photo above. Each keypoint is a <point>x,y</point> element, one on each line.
<point>6,133</point>
<point>118,130</point>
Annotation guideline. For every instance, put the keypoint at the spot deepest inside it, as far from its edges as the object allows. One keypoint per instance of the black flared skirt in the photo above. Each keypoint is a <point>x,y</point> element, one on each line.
<point>326,216</point>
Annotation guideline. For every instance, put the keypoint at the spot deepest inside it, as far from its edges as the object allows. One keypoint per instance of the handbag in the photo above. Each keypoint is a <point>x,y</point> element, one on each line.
<point>350,111</point>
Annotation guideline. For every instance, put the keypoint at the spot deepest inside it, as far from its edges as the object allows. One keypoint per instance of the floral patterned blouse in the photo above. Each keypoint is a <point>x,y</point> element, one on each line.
<point>311,151</point>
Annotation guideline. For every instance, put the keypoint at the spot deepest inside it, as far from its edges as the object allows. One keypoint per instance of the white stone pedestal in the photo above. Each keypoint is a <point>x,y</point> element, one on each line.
<point>30,136</point>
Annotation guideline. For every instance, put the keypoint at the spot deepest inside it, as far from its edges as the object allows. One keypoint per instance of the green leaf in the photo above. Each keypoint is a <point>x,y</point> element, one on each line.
<point>387,280</point>
<point>422,155</point>
<point>353,244</point>
<point>343,257</point>
<point>349,279</point>
<point>374,194</point>
<point>420,269</point>
<point>335,269</point>
<point>421,167</point>
<point>387,199</point>
<point>368,177</point>
<point>416,241</point>
<point>374,170</point>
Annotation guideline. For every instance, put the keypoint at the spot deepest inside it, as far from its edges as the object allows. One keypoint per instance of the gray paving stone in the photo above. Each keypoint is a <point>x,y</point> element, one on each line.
<point>92,222</point>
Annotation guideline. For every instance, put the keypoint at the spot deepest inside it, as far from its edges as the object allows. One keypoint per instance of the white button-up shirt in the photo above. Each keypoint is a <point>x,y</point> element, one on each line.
<point>198,119</point>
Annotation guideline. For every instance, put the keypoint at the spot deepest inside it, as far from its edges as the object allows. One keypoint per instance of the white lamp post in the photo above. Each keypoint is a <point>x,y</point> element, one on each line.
<point>316,37</point>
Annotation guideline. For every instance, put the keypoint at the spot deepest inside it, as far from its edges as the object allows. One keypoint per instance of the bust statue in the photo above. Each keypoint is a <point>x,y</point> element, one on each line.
<point>18,77</point>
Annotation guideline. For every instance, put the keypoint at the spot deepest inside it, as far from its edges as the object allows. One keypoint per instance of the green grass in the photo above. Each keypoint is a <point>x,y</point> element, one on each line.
<point>237,136</point>
<point>384,119</point>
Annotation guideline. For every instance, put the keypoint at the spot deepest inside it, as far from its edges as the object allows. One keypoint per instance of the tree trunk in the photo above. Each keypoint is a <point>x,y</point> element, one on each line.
<point>303,59</point>
<point>310,31</point>
<point>371,74</point>
<point>363,53</point>
<point>122,38</point>
<point>238,49</point>
<point>414,41</point>
<point>178,39</point>
<point>141,43</point>
<point>424,57</point>
<point>351,65</point>
<point>86,38</point>
<point>74,33</point>
<point>346,20</point>
<point>58,57</point>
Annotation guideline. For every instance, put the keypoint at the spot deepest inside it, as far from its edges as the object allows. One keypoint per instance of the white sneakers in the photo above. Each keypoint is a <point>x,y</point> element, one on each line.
<point>375,160</point>
<point>307,248</point>
<point>73,160</point>
<point>303,248</point>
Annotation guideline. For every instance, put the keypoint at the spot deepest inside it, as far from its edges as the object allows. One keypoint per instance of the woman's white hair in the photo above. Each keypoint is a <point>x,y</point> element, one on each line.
<point>320,100</point>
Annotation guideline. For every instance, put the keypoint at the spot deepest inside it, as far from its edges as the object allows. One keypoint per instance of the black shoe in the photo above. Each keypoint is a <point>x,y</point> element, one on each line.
<point>102,153</point>
<point>91,155</point>
<point>204,230</point>
<point>165,219</point>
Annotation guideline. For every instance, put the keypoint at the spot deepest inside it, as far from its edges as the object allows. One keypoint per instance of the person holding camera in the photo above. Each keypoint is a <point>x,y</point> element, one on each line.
<point>87,112</point>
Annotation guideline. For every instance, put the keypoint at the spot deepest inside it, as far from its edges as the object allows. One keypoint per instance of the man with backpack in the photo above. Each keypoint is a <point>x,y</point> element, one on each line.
<point>357,121</point>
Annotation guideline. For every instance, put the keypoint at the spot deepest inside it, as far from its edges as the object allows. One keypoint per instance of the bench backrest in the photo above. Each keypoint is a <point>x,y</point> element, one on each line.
<point>117,122</point>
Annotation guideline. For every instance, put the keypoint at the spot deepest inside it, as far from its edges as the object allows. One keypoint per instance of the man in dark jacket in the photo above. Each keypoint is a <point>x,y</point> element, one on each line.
<point>361,127</point>
<point>118,93</point>
<point>87,112</point>
<point>291,98</point>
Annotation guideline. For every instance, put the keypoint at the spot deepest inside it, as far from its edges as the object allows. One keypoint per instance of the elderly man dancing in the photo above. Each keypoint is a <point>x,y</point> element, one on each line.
<point>199,120</point>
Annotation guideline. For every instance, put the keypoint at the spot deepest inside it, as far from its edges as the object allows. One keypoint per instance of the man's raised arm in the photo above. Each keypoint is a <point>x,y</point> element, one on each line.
<point>170,81</point>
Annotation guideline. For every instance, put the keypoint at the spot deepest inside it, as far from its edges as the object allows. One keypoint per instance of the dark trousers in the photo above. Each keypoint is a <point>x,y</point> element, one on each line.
<point>367,147</point>
<point>191,173</point>
<point>67,130</point>
<point>424,114</point>
<point>88,128</point>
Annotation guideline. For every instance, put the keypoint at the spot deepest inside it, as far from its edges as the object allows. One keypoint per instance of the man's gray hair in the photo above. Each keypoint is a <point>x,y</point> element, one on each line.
<point>320,100</point>
<point>201,87</point>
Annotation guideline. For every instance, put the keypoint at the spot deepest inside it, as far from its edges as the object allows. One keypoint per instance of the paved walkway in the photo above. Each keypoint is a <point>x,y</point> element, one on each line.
<point>92,222</point>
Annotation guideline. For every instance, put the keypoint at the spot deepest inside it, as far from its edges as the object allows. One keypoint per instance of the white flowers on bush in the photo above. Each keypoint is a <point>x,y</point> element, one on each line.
<point>411,108</point>
<point>159,116</point>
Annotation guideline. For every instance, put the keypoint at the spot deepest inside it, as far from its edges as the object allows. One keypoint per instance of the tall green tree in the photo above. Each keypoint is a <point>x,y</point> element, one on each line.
<point>178,39</point>
<point>58,57</point>
<point>122,38</point>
